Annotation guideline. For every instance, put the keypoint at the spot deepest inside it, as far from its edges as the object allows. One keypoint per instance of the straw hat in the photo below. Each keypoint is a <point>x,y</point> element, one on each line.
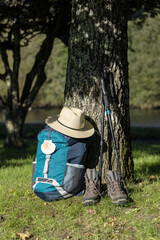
<point>71,122</point>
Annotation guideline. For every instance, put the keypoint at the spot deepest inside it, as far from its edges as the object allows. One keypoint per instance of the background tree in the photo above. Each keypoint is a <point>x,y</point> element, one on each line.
<point>19,22</point>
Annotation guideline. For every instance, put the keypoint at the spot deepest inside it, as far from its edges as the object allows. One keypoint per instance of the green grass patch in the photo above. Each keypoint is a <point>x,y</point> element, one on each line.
<point>25,216</point>
<point>145,133</point>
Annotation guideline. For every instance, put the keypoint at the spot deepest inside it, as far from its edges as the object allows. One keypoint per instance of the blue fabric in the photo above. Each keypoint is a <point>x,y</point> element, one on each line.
<point>78,149</point>
<point>58,159</point>
<point>45,187</point>
<point>49,196</point>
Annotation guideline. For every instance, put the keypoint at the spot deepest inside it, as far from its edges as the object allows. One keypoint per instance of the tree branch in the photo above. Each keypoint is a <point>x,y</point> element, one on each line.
<point>39,82</point>
<point>6,77</point>
<point>3,50</point>
<point>40,61</point>
<point>27,39</point>
<point>2,103</point>
<point>3,77</point>
<point>16,63</point>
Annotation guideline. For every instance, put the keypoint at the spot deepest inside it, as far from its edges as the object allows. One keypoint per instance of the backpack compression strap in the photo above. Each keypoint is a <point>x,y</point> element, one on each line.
<point>46,166</point>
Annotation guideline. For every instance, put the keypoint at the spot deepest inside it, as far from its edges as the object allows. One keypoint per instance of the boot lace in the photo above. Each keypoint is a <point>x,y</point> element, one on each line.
<point>117,186</point>
<point>92,187</point>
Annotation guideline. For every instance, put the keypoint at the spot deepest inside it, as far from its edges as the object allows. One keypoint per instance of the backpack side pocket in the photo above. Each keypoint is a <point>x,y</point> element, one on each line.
<point>74,178</point>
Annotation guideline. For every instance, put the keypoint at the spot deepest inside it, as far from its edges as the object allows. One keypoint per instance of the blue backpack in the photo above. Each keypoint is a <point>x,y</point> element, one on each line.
<point>60,174</point>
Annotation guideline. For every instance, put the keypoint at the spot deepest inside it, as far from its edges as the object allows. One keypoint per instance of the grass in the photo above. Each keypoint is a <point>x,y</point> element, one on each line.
<point>25,216</point>
<point>145,133</point>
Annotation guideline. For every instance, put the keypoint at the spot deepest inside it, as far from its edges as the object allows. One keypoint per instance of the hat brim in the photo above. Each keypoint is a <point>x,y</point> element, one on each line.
<point>85,132</point>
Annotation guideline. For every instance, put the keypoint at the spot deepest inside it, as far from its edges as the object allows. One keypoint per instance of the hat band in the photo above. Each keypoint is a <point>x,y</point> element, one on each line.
<point>69,127</point>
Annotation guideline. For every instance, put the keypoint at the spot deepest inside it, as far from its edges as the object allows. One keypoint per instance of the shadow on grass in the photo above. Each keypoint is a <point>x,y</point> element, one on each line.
<point>142,148</point>
<point>145,133</point>
<point>147,157</point>
<point>17,157</point>
<point>149,169</point>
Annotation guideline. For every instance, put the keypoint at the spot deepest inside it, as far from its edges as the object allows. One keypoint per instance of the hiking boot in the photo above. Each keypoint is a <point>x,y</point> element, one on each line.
<point>115,188</point>
<point>92,191</point>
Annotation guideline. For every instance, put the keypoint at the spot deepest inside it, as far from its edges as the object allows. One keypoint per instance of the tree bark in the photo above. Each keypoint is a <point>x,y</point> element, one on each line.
<point>98,40</point>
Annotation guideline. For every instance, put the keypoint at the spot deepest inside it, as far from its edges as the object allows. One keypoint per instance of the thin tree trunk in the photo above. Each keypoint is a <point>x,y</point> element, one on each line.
<point>98,40</point>
<point>14,126</point>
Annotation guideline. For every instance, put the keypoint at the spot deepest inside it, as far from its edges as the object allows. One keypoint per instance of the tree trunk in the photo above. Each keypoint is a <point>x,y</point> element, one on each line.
<point>98,40</point>
<point>14,121</point>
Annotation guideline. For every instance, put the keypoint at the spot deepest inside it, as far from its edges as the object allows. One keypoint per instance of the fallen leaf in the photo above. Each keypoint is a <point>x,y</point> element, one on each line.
<point>111,222</point>
<point>44,203</point>
<point>105,224</point>
<point>88,234</point>
<point>92,211</point>
<point>152,177</point>
<point>133,206</point>
<point>141,184</point>
<point>69,204</point>
<point>68,237</point>
<point>115,219</point>
<point>54,214</point>
<point>24,236</point>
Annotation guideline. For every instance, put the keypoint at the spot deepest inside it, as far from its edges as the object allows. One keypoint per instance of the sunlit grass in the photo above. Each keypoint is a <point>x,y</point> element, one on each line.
<point>22,212</point>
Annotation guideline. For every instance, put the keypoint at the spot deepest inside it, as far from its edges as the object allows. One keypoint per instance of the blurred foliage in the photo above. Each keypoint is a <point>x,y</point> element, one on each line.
<point>52,91</point>
<point>144,62</point>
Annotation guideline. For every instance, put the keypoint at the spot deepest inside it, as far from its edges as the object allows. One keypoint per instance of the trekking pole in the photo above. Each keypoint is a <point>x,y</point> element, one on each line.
<point>107,107</point>
<point>101,142</point>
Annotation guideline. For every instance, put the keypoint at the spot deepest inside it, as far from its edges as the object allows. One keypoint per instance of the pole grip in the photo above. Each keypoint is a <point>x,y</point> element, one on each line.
<point>104,92</point>
<point>105,74</point>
